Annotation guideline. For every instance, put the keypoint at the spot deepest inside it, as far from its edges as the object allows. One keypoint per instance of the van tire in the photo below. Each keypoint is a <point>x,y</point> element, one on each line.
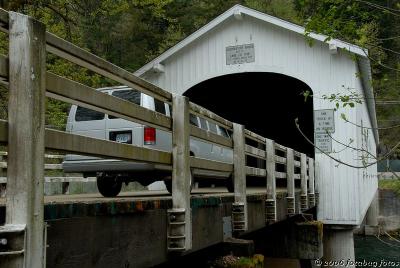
<point>168,183</point>
<point>230,185</point>
<point>108,186</point>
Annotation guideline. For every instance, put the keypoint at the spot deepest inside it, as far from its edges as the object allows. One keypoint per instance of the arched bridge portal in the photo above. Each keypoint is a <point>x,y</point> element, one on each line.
<point>266,103</point>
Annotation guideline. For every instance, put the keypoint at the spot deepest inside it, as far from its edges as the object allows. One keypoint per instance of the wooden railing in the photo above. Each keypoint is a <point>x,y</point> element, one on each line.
<point>29,83</point>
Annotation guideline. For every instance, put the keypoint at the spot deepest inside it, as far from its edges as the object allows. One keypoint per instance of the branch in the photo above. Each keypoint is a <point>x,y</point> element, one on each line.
<point>296,121</point>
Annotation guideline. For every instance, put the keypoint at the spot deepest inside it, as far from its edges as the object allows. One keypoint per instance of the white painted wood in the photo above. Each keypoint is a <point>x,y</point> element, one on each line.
<point>27,74</point>
<point>345,193</point>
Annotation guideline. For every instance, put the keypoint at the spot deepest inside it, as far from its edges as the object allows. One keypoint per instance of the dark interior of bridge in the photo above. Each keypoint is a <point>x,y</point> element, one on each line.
<point>266,103</point>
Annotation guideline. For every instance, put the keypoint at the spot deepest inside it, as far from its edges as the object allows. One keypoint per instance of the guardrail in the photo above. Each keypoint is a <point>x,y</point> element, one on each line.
<point>24,72</point>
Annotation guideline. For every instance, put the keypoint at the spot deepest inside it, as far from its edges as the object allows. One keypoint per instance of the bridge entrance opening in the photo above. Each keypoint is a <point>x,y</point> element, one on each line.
<point>266,103</point>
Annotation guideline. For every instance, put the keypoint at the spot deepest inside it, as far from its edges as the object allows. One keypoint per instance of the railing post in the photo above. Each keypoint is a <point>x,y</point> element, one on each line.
<point>270,203</point>
<point>316,183</point>
<point>3,173</point>
<point>303,181</point>
<point>311,186</point>
<point>180,216</point>
<point>239,208</point>
<point>291,207</point>
<point>25,172</point>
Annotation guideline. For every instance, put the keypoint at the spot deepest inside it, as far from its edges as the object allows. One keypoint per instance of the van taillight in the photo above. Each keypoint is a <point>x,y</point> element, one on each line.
<point>149,136</point>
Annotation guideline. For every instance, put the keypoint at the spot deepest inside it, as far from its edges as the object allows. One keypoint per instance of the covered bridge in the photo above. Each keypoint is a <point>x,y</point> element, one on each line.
<point>252,68</point>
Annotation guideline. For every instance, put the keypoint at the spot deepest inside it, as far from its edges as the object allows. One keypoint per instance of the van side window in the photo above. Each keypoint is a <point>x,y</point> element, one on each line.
<point>203,123</point>
<point>193,120</point>
<point>131,95</point>
<point>213,127</point>
<point>85,114</point>
<point>159,106</point>
<point>223,131</point>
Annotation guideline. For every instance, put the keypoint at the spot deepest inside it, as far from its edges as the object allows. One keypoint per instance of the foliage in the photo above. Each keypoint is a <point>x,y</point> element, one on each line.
<point>392,184</point>
<point>372,24</point>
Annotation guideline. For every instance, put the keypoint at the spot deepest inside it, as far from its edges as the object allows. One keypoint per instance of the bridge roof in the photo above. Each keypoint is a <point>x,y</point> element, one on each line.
<point>238,10</point>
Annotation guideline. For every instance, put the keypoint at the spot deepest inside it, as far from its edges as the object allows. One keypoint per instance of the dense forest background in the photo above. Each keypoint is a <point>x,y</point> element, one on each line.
<point>129,33</point>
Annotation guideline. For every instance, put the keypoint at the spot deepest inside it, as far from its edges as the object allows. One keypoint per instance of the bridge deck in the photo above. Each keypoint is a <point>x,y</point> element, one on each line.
<point>81,205</point>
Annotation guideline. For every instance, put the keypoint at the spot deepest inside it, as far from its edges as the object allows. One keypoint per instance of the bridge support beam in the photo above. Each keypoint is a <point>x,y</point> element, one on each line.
<point>371,223</point>
<point>338,246</point>
<point>291,205</point>
<point>239,208</point>
<point>303,181</point>
<point>270,203</point>
<point>25,228</point>
<point>179,237</point>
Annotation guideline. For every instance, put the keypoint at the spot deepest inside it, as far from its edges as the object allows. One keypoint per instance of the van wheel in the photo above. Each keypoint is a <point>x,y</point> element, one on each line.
<point>168,183</point>
<point>230,185</point>
<point>108,186</point>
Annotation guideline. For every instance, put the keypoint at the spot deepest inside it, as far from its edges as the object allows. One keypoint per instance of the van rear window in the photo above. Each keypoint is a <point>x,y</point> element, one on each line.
<point>129,95</point>
<point>85,114</point>
<point>159,106</point>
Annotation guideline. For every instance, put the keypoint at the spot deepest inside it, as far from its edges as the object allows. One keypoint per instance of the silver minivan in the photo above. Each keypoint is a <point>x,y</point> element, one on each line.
<point>111,173</point>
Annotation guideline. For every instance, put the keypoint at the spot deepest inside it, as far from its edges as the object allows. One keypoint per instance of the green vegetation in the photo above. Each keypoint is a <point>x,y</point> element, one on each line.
<point>390,185</point>
<point>129,33</point>
<point>230,261</point>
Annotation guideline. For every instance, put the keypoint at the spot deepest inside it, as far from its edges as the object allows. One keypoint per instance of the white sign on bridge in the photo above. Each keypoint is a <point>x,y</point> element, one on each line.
<point>240,54</point>
<point>324,122</point>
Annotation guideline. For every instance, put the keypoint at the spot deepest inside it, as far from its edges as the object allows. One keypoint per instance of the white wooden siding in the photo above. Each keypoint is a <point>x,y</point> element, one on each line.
<point>345,193</point>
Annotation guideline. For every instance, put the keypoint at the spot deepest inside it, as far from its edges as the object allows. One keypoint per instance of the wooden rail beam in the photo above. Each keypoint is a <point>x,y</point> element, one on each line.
<point>70,91</point>
<point>24,200</point>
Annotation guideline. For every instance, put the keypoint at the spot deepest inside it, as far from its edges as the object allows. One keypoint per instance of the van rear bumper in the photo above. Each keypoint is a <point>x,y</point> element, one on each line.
<point>111,165</point>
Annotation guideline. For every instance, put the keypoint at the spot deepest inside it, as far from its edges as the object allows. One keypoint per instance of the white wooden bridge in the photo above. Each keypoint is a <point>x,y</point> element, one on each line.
<point>295,183</point>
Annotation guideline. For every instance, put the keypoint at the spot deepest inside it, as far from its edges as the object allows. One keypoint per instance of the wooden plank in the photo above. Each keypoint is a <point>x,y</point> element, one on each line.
<point>296,176</point>
<point>303,178</point>
<point>291,206</point>
<point>254,136</point>
<point>26,111</point>
<point>4,67</point>
<point>70,143</point>
<point>296,163</point>
<point>199,110</point>
<point>210,137</point>
<point>181,175</point>
<point>104,102</point>
<point>257,172</point>
<point>77,55</point>
<point>239,221</point>
<point>201,163</point>
<point>311,185</point>
<point>280,147</point>
<point>46,166</point>
<point>280,160</point>
<point>280,175</point>
<point>255,152</point>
